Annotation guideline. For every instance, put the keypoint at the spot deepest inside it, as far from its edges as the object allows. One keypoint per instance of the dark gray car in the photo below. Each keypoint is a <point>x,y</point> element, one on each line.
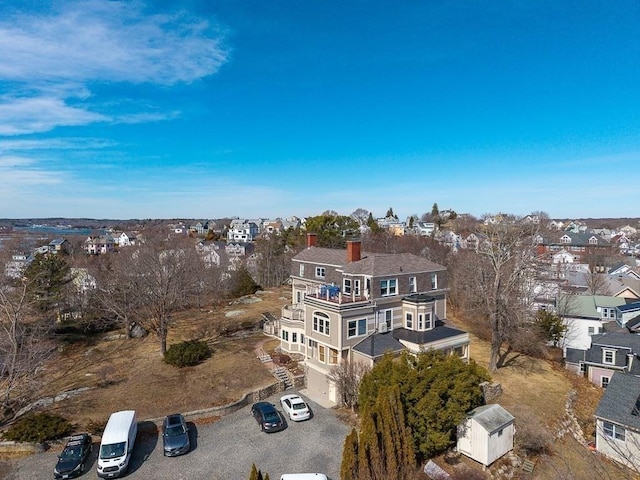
<point>267,417</point>
<point>175,435</point>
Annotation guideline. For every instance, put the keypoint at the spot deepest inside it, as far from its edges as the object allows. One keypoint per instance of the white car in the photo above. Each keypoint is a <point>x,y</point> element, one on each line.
<point>295,407</point>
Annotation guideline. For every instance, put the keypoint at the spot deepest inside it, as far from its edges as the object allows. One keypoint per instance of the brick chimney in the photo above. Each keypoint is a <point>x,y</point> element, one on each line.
<point>311,239</point>
<point>353,250</point>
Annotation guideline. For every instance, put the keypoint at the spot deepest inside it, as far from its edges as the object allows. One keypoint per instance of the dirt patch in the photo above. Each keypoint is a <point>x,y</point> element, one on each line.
<point>130,373</point>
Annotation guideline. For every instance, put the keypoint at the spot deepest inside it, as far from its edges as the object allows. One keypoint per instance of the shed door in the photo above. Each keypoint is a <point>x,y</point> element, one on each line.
<point>464,439</point>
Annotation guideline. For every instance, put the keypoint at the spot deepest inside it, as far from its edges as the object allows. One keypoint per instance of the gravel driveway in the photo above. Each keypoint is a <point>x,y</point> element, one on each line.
<point>224,450</point>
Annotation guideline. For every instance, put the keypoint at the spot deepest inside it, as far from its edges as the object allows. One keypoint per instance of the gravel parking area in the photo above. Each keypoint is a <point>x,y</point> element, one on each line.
<point>224,450</point>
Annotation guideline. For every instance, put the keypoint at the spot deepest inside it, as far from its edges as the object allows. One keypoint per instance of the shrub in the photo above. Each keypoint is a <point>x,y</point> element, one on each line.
<point>187,354</point>
<point>96,427</point>
<point>39,427</point>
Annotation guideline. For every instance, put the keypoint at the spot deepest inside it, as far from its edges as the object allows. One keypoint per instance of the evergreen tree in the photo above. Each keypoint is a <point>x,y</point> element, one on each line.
<point>254,472</point>
<point>349,466</point>
<point>332,230</point>
<point>435,391</point>
<point>47,277</point>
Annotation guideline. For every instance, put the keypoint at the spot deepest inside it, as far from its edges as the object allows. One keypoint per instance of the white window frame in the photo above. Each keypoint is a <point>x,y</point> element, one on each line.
<point>408,320</point>
<point>428,321</point>
<point>355,326</point>
<point>413,286</point>
<point>605,353</point>
<point>294,337</point>
<point>614,431</point>
<point>285,335</point>
<point>356,286</point>
<point>604,381</point>
<point>434,281</point>
<point>346,286</point>
<point>321,272</point>
<point>321,323</point>
<point>388,287</point>
<point>302,270</point>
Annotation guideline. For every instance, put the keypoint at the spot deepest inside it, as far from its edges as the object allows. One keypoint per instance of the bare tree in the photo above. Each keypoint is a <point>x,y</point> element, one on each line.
<point>496,282</point>
<point>347,376</point>
<point>597,283</point>
<point>24,343</point>
<point>360,215</point>
<point>165,281</point>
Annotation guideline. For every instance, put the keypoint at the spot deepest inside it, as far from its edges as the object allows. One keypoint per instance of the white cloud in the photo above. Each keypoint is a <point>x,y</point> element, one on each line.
<point>29,115</point>
<point>50,57</point>
<point>108,40</point>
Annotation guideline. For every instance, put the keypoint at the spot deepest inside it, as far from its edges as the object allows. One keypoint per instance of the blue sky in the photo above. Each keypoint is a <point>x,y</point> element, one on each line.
<point>207,109</point>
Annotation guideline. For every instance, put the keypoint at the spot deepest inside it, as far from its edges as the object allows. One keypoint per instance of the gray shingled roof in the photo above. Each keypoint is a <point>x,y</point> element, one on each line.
<point>428,336</point>
<point>374,264</point>
<point>377,344</point>
<point>619,401</point>
<point>491,417</point>
<point>574,355</point>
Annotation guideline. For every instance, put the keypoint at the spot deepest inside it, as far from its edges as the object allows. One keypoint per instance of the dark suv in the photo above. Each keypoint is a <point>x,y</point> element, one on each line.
<point>175,435</point>
<point>267,417</point>
<point>72,461</point>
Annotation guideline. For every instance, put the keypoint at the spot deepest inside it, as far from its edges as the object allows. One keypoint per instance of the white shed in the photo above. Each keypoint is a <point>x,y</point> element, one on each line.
<point>486,434</point>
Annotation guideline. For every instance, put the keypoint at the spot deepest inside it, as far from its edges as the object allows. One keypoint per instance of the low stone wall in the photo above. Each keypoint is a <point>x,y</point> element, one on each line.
<point>491,391</point>
<point>22,447</point>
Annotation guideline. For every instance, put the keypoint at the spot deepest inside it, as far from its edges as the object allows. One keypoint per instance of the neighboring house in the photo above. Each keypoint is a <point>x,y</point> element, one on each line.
<point>242,231</point>
<point>609,353</point>
<point>17,265</point>
<point>271,226</point>
<point>583,246</point>
<point>59,245</point>
<point>627,314</point>
<point>96,245</point>
<point>209,252</point>
<point>424,228</point>
<point>486,434</point>
<point>349,306</point>
<point>584,316</point>
<point>125,239</point>
<point>618,421</point>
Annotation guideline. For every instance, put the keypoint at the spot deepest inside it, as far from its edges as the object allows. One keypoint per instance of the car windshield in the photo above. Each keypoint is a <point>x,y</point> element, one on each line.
<point>70,454</point>
<point>174,431</point>
<point>112,450</point>
<point>299,406</point>
<point>271,417</point>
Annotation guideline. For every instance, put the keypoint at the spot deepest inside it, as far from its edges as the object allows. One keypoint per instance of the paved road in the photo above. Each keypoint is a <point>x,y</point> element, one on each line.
<point>224,450</point>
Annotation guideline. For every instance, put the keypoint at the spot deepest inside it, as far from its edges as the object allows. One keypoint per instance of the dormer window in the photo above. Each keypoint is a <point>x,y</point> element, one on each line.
<point>608,356</point>
<point>346,286</point>
<point>565,239</point>
<point>320,272</point>
<point>593,241</point>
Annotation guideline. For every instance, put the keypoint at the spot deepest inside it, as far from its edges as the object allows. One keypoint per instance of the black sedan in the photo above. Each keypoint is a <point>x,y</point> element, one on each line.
<point>72,461</point>
<point>175,435</point>
<point>267,417</point>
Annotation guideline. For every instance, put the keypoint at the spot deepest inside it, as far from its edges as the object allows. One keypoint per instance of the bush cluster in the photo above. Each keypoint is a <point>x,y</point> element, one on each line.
<point>38,427</point>
<point>187,354</point>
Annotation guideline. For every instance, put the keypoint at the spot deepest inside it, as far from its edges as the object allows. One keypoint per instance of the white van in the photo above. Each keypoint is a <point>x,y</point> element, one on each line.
<point>303,476</point>
<point>117,443</point>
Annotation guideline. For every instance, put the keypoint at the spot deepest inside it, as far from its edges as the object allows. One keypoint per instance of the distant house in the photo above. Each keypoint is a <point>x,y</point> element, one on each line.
<point>486,434</point>
<point>242,231</point>
<point>59,245</point>
<point>618,421</point>
<point>583,246</point>
<point>101,244</point>
<point>424,228</point>
<point>125,239</point>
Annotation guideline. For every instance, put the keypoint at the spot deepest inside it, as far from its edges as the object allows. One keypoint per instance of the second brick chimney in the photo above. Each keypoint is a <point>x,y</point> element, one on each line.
<point>353,250</point>
<point>311,239</point>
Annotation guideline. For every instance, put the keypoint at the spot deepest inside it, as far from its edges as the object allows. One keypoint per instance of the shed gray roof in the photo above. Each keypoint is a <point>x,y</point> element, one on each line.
<point>574,355</point>
<point>619,401</point>
<point>491,417</point>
